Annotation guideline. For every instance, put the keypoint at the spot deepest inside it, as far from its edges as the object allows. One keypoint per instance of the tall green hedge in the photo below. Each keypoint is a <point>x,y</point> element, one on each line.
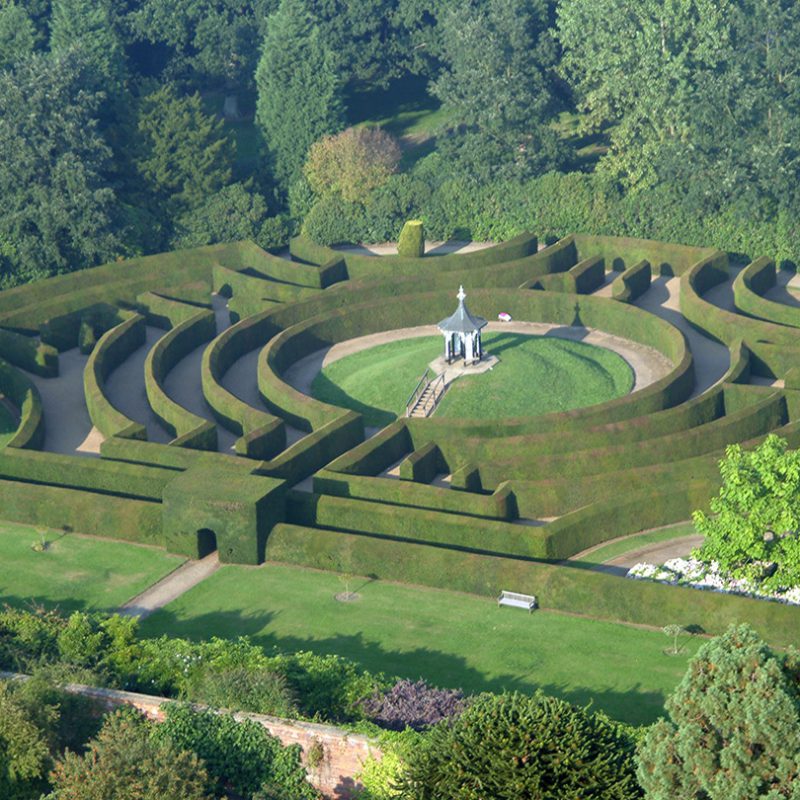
<point>22,392</point>
<point>111,350</point>
<point>187,428</point>
<point>751,284</point>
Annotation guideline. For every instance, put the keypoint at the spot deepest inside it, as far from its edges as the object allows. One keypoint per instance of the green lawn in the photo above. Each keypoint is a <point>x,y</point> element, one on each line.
<point>75,572</point>
<point>449,638</point>
<point>629,543</point>
<point>536,375</point>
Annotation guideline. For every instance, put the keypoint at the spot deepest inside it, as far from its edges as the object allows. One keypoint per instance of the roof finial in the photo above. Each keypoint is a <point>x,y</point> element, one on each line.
<point>461,294</point>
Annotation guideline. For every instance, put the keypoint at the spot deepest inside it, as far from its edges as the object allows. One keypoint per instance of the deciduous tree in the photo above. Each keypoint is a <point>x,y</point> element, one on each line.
<point>57,205</point>
<point>353,162</point>
<point>753,530</point>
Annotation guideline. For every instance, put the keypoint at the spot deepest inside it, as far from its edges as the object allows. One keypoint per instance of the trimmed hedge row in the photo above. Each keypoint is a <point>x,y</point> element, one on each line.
<point>262,435</point>
<point>250,255</point>
<point>477,534</point>
<point>364,266</point>
<point>249,282</point>
<point>377,453</point>
<point>28,354</point>
<point>423,465</point>
<point>164,312</point>
<point>88,474</point>
<point>82,511</point>
<point>583,278</point>
<point>724,326</point>
<point>22,392</point>
<point>119,283</point>
<point>112,349</point>
<point>311,453</point>
<point>755,420</point>
<point>23,395</point>
<point>560,588</point>
<point>701,410</point>
<point>621,253</point>
<point>501,504</point>
<point>69,330</point>
<point>622,515</point>
<point>168,457</point>
<point>632,283</point>
<point>749,286</point>
<point>188,429</point>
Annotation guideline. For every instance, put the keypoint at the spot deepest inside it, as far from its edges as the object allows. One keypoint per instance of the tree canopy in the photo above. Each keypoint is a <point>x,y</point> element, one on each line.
<point>734,726</point>
<point>753,530</point>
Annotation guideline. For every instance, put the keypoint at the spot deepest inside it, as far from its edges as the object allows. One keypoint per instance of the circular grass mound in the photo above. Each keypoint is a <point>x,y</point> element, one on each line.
<point>536,375</point>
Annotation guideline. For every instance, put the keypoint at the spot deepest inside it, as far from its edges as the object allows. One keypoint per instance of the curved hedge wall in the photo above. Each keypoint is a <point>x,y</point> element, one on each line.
<point>262,435</point>
<point>111,350</point>
<point>753,282</point>
<point>22,392</point>
<point>188,429</point>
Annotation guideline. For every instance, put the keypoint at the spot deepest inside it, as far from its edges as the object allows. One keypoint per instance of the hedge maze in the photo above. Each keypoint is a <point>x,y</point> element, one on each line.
<point>261,471</point>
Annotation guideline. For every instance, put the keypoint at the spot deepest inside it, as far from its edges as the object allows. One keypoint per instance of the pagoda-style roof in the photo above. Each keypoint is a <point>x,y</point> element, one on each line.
<point>462,321</point>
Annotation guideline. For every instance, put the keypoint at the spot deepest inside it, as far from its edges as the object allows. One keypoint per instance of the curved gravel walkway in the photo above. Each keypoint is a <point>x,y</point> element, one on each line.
<point>648,365</point>
<point>711,359</point>
<point>654,553</point>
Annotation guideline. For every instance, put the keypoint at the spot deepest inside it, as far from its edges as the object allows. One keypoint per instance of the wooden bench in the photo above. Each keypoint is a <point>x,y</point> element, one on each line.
<point>516,599</point>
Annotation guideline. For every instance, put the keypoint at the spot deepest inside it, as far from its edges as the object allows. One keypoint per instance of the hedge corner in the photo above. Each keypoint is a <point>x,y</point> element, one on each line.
<point>207,508</point>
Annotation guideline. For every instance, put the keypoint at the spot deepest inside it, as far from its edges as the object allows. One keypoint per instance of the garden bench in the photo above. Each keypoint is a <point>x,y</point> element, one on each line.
<point>516,599</point>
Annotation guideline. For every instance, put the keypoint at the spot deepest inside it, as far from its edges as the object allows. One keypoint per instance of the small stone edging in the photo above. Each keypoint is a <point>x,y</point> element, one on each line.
<point>342,753</point>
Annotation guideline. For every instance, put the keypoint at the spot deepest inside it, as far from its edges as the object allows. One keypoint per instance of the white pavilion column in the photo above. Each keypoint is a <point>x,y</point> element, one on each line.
<point>469,355</point>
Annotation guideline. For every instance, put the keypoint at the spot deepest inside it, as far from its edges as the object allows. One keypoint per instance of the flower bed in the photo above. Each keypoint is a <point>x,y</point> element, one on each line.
<point>699,575</point>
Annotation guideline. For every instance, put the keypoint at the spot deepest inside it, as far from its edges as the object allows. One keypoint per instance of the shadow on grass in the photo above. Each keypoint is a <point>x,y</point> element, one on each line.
<point>636,705</point>
<point>327,391</point>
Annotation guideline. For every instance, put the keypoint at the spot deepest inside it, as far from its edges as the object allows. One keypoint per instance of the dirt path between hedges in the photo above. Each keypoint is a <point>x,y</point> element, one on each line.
<point>170,587</point>
<point>648,365</point>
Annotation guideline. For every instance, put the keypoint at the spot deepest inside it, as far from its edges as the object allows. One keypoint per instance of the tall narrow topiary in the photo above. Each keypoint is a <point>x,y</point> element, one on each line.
<point>411,243</point>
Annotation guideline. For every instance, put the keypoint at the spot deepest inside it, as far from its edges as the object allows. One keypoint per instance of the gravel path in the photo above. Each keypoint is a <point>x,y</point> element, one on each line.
<point>68,428</point>
<point>432,248</point>
<point>171,587</point>
<point>711,359</point>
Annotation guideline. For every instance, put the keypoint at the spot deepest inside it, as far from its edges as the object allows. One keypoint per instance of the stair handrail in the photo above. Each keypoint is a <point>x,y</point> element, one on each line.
<point>418,390</point>
<point>437,386</point>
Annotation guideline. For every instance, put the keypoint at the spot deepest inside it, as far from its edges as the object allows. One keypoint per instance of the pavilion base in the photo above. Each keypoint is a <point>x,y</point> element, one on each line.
<point>459,367</point>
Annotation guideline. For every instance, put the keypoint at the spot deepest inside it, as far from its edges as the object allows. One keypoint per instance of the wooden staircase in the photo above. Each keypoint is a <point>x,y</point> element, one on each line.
<point>425,398</point>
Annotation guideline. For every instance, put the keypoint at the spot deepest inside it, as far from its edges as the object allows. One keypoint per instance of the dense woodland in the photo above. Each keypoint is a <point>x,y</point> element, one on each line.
<point>134,126</point>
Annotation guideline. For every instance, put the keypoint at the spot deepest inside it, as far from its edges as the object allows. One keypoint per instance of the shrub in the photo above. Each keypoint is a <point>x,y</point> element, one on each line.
<point>413,705</point>
<point>332,220</point>
<point>243,689</point>
<point>523,746</point>
<point>352,163</point>
<point>240,755</point>
<point>411,243</point>
<point>734,725</point>
<point>274,233</point>
<point>127,762</point>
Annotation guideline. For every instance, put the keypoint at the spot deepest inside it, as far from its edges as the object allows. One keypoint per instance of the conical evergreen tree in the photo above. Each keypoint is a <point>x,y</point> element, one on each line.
<point>734,729</point>
<point>299,93</point>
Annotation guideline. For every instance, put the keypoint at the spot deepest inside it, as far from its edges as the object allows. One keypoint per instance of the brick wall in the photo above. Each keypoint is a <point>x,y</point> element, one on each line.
<point>340,753</point>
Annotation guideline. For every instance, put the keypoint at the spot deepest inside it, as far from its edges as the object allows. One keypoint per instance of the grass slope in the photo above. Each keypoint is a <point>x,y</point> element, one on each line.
<point>75,572</point>
<point>450,639</point>
<point>536,375</point>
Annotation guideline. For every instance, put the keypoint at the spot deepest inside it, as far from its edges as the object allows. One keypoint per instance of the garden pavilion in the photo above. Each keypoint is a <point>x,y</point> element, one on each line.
<point>462,333</point>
